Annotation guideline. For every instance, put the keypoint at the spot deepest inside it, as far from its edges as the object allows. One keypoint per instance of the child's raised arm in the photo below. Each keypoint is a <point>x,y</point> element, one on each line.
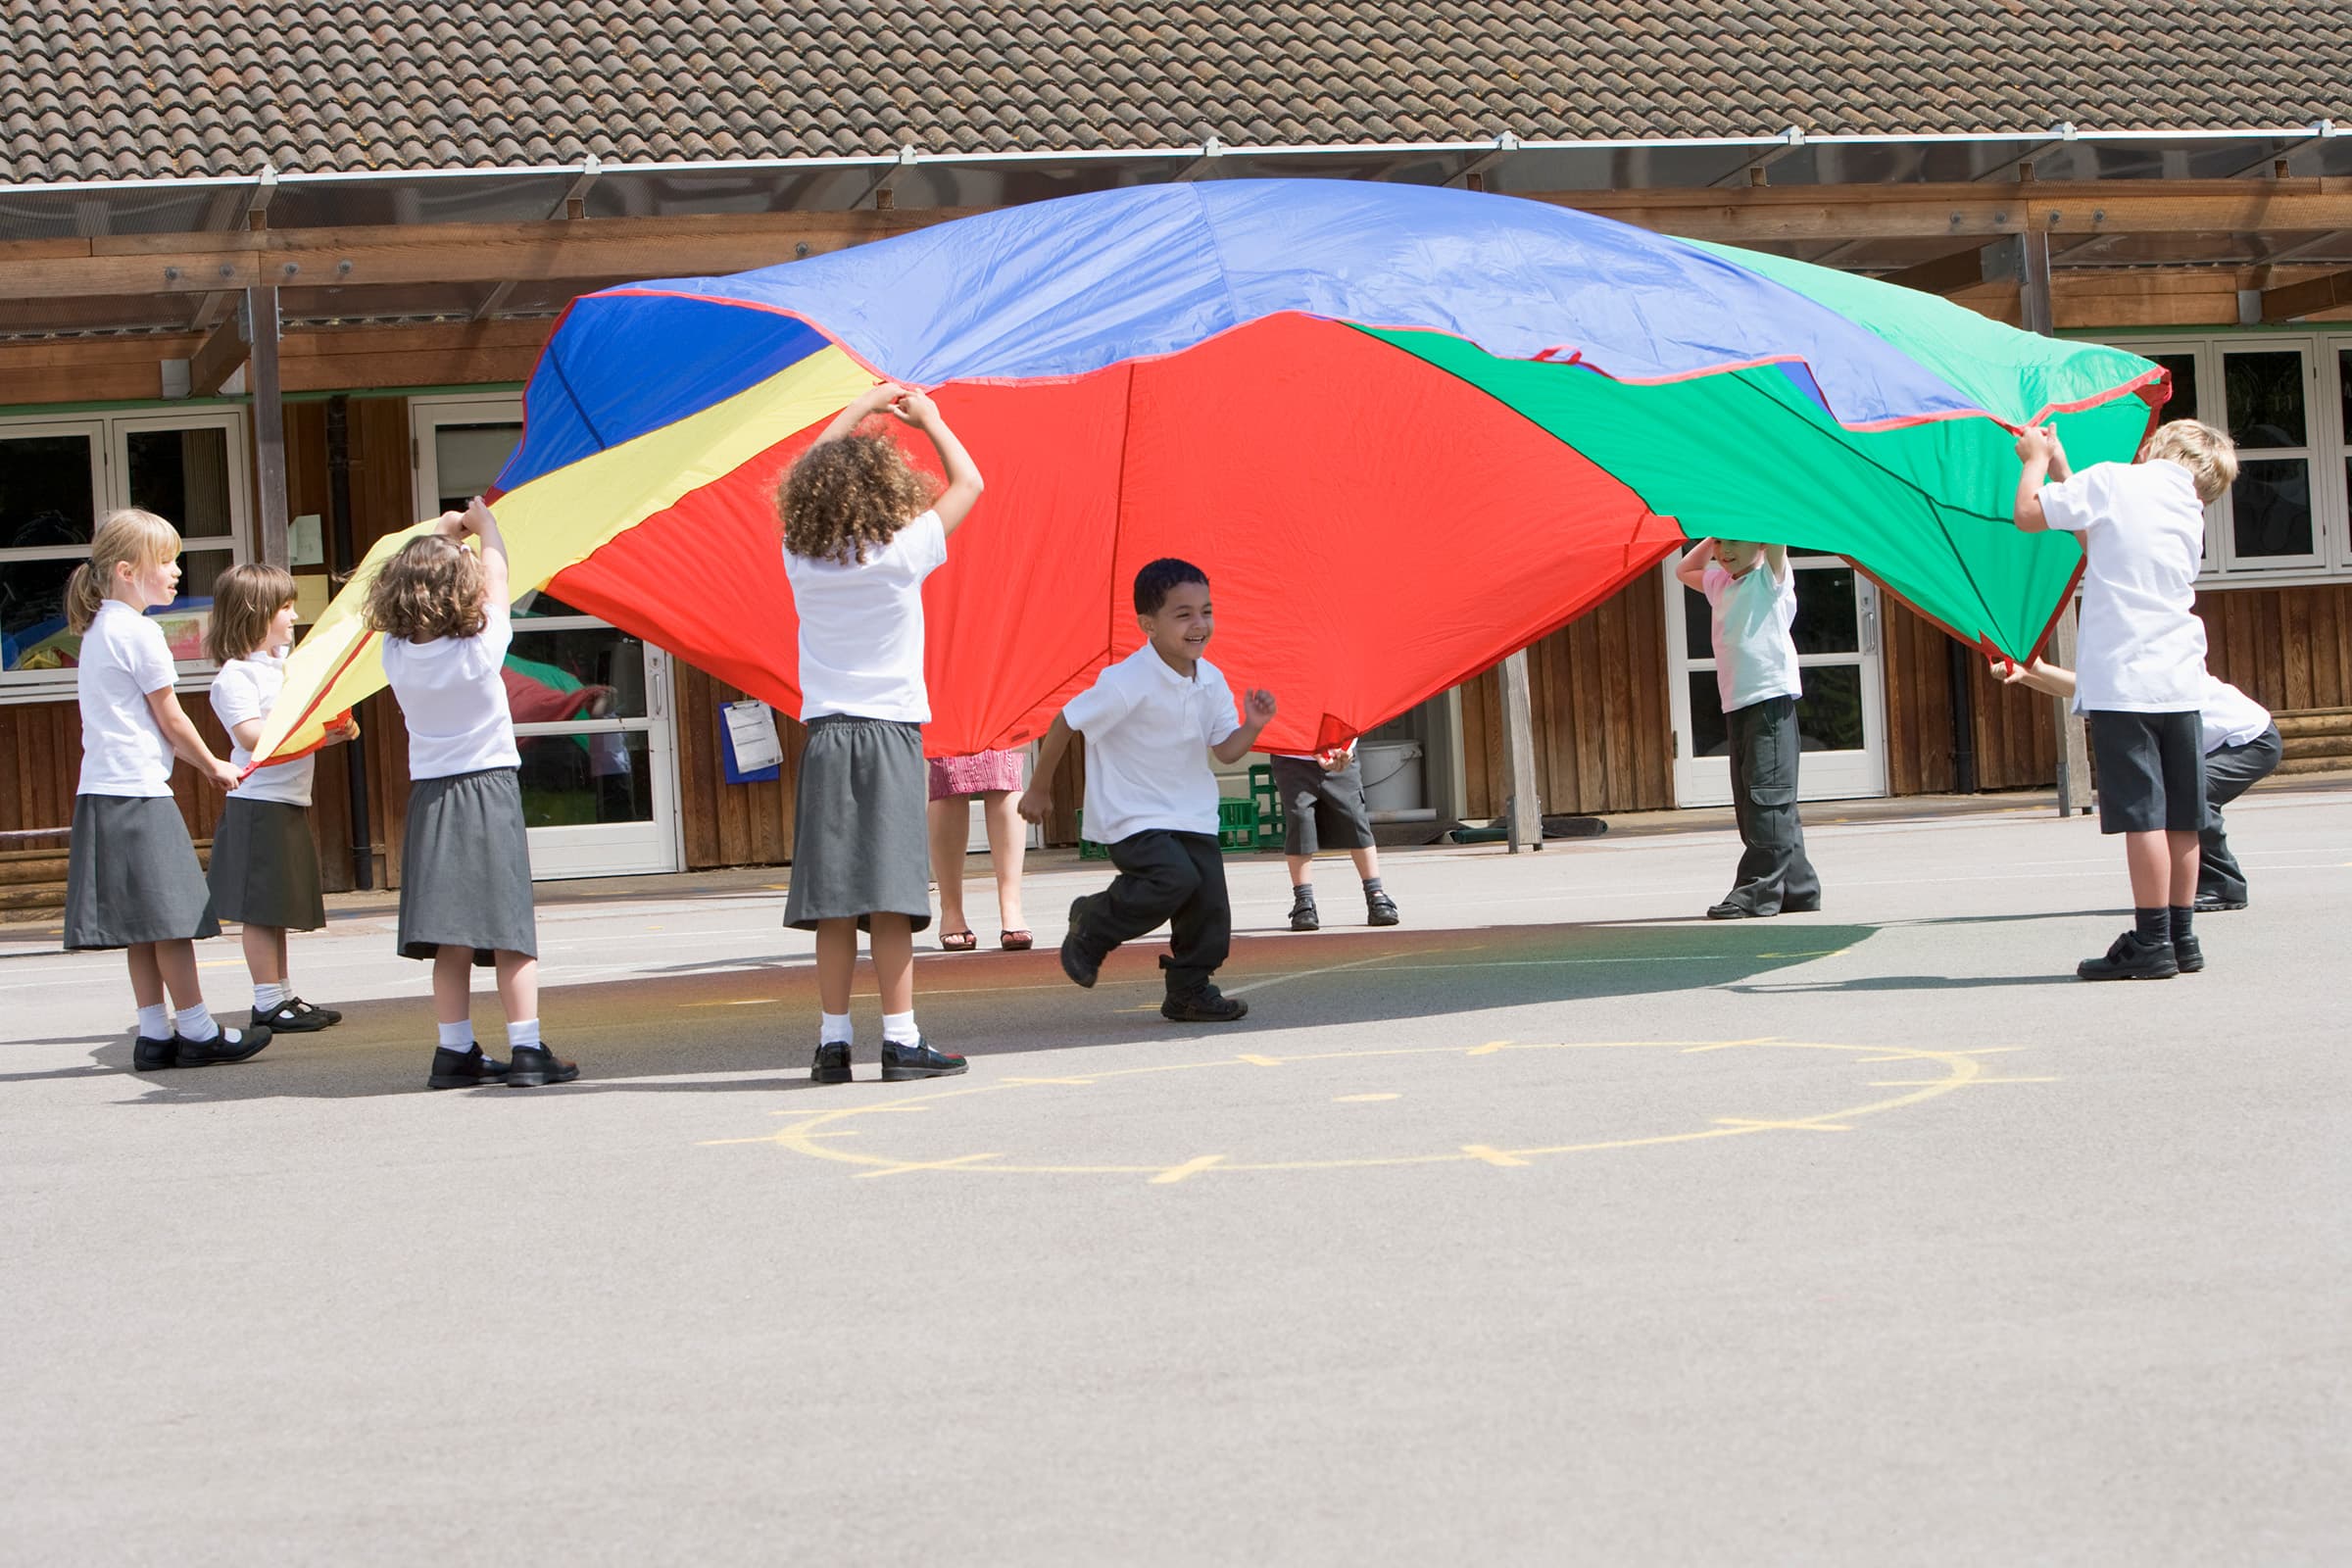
<point>1257,711</point>
<point>1692,570</point>
<point>868,403</point>
<point>1037,798</point>
<point>1776,557</point>
<point>2038,449</point>
<point>2043,677</point>
<point>496,583</point>
<point>965,483</point>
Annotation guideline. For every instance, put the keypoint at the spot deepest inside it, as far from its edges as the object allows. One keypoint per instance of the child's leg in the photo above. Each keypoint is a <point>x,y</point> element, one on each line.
<point>146,976</point>
<point>518,990</point>
<point>1200,928</point>
<point>1302,871</point>
<point>1158,876</point>
<point>265,953</point>
<point>836,965</point>
<point>2181,853</point>
<point>2148,858</point>
<point>951,830</point>
<point>175,962</point>
<point>1007,849</point>
<point>892,944</point>
<point>1367,862</point>
<point>533,1064</point>
<point>453,985</point>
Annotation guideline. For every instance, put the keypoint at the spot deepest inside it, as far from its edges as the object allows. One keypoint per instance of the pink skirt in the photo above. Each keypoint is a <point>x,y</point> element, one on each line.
<point>978,775</point>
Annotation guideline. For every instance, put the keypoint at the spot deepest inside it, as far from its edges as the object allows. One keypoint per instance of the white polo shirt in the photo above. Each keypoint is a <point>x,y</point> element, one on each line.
<point>2229,716</point>
<point>1755,657</point>
<point>247,689</point>
<point>2141,649</point>
<point>862,627</point>
<point>1147,733</point>
<point>450,692</point>
<point>123,658</point>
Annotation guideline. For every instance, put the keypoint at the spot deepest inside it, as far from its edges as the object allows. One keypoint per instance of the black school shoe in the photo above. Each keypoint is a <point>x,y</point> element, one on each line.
<point>295,1016</point>
<point>1303,916</point>
<point>534,1065</point>
<point>2188,955</point>
<point>229,1044</point>
<point>1728,910</point>
<point>1381,909</point>
<point>1080,965</point>
<point>2214,903</point>
<point>831,1064</point>
<point>1207,1005</point>
<point>2132,956</point>
<point>465,1069</point>
<point>919,1060</point>
<point>151,1056</point>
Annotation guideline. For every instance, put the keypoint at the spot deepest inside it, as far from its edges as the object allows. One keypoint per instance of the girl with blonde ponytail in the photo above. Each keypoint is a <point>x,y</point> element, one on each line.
<point>131,877</point>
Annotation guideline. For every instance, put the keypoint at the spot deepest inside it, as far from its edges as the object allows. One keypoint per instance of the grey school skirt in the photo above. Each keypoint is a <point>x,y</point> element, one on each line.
<point>465,869</point>
<point>131,874</point>
<point>859,840</point>
<point>266,867</point>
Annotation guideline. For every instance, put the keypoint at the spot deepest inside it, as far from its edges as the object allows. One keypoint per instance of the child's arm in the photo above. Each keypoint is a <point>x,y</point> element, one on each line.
<point>1258,712</point>
<point>495,577</point>
<point>1037,798</point>
<point>965,483</point>
<point>870,402</point>
<point>2043,677</point>
<point>181,731</point>
<point>1775,559</point>
<point>1692,570</point>
<point>2038,449</point>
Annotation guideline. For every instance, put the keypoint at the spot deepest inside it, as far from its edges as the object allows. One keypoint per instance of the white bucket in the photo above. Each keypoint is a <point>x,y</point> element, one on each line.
<point>1391,776</point>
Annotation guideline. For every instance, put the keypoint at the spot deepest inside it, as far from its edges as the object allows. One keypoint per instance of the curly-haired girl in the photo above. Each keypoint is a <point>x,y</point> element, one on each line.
<point>862,531</point>
<point>464,863</point>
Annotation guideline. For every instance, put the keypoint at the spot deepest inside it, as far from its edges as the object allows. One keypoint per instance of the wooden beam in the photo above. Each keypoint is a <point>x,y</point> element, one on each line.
<point>211,365</point>
<point>1523,811</point>
<point>269,422</point>
<point>1750,170</point>
<point>1946,274</point>
<point>2291,302</point>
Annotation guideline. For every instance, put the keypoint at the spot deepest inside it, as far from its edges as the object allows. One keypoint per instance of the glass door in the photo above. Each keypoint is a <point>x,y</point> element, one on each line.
<point>1842,719</point>
<point>591,704</point>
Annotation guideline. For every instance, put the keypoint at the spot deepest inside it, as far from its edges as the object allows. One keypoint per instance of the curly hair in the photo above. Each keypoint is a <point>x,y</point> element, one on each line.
<point>846,498</point>
<point>245,600</point>
<point>433,587</point>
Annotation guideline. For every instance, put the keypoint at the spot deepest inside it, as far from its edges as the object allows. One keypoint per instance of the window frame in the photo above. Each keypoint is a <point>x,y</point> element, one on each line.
<point>110,432</point>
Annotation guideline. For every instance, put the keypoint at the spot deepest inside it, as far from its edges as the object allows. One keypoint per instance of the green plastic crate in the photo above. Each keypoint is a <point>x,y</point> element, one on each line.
<point>1237,829</point>
<point>1269,806</point>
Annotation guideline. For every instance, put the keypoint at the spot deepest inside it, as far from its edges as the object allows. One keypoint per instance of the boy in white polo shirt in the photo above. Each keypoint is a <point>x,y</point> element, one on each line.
<point>1757,680</point>
<point>1151,722</point>
<point>2140,673</point>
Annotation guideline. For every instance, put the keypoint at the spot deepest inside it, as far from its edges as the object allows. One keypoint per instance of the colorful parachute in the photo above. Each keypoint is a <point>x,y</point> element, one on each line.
<point>1405,430</point>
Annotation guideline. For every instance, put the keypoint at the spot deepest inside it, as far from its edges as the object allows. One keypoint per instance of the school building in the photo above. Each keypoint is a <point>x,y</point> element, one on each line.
<point>283,284</point>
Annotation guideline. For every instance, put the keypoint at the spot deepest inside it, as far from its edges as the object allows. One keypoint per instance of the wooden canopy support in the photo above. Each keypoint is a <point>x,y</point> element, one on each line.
<point>261,320</point>
<point>2276,162</point>
<point>212,365</point>
<point>2022,166</point>
<point>1472,176</point>
<point>1947,274</point>
<point>2291,302</point>
<point>253,205</point>
<point>1204,163</point>
<point>878,195</point>
<point>572,208</point>
<point>1750,170</point>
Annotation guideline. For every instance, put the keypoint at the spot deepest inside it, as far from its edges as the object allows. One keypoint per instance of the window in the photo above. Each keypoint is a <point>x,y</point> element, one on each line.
<point>2286,400</point>
<point>59,477</point>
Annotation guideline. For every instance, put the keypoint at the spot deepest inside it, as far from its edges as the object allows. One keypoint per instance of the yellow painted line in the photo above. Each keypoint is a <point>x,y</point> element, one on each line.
<point>747,1002</point>
<point>1793,1126</point>
<point>1760,1040</point>
<point>1493,1156</point>
<point>1486,1050</point>
<point>1259,1062</point>
<point>930,1164</point>
<point>1189,1168</point>
<point>1361,1100</point>
<point>861,1111</point>
<point>1079,1081</point>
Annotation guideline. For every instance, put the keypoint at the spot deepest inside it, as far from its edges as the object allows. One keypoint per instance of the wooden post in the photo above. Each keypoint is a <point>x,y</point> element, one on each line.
<point>1523,812</point>
<point>269,421</point>
<point>2037,311</point>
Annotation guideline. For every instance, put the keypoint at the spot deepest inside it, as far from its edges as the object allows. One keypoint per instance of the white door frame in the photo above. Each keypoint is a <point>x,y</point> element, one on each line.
<point>1821,775</point>
<point>594,849</point>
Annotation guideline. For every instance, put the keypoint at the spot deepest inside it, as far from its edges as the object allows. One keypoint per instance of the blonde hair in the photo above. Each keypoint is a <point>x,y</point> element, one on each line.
<point>433,587</point>
<point>2209,456</point>
<point>848,498</point>
<point>245,600</point>
<point>129,537</point>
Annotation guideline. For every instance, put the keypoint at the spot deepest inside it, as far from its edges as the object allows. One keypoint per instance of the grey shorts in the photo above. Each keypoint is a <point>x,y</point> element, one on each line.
<point>2151,770</point>
<point>1321,811</point>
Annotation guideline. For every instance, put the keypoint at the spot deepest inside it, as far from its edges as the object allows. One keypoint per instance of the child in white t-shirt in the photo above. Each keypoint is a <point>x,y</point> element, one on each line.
<point>2139,667</point>
<point>465,859</point>
<point>265,870</point>
<point>1152,721</point>
<point>1759,684</point>
<point>1323,807</point>
<point>862,531</point>
<point>131,877</point>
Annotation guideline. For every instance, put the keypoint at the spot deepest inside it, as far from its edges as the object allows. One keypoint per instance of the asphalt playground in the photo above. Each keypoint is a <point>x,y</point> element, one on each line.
<point>1556,1225</point>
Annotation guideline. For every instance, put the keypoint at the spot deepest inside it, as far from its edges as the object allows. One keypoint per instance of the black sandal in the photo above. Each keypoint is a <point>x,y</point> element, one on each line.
<point>958,940</point>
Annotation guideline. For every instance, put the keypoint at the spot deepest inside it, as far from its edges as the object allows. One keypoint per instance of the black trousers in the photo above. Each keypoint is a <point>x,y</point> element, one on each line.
<point>1178,878</point>
<point>2228,773</point>
<point>1773,873</point>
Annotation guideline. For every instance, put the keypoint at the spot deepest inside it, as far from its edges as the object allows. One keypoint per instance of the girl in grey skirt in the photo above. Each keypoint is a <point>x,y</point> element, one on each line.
<point>132,878</point>
<point>465,870</point>
<point>862,531</point>
<point>265,872</point>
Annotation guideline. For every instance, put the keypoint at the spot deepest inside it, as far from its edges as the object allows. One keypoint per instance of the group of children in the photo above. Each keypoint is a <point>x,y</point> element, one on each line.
<point>862,531</point>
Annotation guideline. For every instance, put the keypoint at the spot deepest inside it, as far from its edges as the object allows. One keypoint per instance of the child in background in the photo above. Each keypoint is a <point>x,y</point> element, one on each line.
<point>1757,680</point>
<point>1151,722</point>
<point>2140,663</point>
<point>132,878</point>
<point>1323,807</point>
<point>264,871</point>
<point>464,862</point>
<point>862,531</point>
<point>2241,747</point>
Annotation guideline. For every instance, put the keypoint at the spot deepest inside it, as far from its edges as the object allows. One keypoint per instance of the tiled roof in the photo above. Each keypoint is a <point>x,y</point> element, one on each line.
<point>92,91</point>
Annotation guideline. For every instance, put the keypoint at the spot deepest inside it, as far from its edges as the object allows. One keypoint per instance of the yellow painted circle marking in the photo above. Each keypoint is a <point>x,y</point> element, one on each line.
<point>812,1134</point>
<point>1361,1100</point>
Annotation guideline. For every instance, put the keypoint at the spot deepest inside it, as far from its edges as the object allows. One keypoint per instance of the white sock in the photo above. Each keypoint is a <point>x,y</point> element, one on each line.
<point>458,1035</point>
<point>268,993</point>
<point>897,1028</point>
<point>196,1023</point>
<point>521,1032</point>
<point>835,1029</point>
<point>155,1023</point>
